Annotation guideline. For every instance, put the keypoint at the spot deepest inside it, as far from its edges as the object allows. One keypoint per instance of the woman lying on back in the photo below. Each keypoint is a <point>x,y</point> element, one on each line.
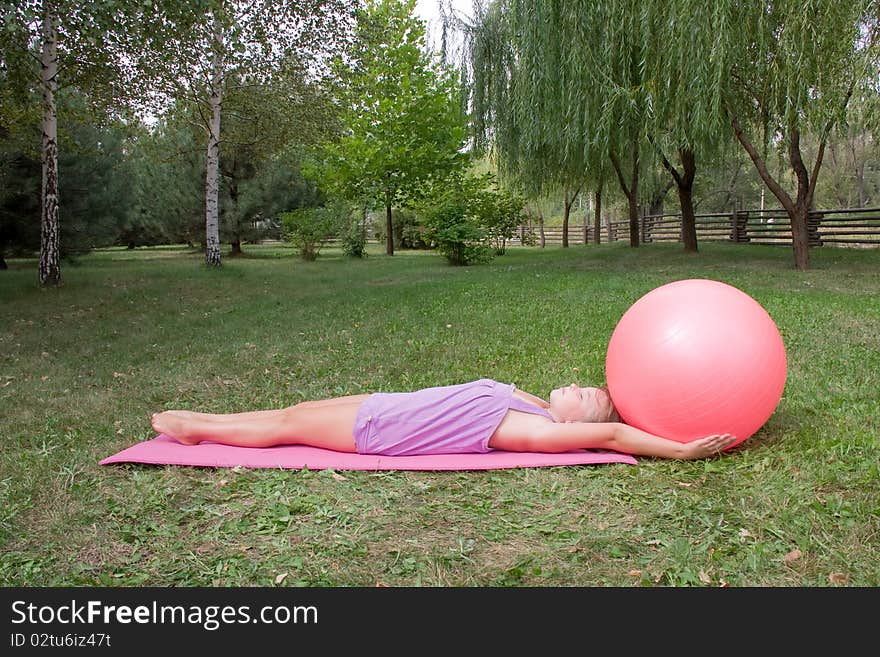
<point>478,416</point>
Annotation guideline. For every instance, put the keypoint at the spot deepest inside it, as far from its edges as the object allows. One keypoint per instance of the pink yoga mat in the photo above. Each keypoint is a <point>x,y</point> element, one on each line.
<point>163,450</point>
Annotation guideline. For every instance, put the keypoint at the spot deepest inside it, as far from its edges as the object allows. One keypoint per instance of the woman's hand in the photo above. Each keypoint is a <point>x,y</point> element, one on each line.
<point>708,446</point>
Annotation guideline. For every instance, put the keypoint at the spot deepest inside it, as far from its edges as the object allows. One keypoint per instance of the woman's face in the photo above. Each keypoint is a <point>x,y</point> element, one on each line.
<point>575,404</point>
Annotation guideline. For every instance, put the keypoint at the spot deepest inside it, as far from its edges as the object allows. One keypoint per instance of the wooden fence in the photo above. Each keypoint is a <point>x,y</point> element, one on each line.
<point>850,227</point>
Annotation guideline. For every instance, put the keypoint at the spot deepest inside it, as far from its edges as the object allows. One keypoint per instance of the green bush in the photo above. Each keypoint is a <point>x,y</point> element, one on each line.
<point>409,233</point>
<point>470,219</point>
<point>455,234</point>
<point>407,226</point>
<point>500,212</point>
<point>309,229</point>
<point>354,239</point>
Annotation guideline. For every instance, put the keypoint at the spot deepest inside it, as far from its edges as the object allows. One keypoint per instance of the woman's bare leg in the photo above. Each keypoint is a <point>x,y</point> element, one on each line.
<point>329,426</point>
<point>333,401</point>
<point>226,417</point>
<point>259,415</point>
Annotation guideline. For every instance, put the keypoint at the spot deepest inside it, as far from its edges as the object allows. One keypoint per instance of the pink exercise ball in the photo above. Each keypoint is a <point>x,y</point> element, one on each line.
<point>693,358</point>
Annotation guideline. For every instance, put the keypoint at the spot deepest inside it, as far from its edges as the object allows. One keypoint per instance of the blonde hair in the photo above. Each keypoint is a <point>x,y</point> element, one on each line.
<point>610,414</point>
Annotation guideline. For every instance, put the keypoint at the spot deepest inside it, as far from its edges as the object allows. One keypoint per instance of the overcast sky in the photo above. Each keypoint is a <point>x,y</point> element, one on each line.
<point>429,11</point>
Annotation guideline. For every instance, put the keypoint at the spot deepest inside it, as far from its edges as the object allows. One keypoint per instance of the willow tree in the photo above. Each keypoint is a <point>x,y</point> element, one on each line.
<point>683,68</point>
<point>793,68</point>
<point>562,90</point>
<point>528,111</point>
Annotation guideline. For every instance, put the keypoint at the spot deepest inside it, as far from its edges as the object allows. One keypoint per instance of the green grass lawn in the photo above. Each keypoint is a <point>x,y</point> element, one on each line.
<point>83,366</point>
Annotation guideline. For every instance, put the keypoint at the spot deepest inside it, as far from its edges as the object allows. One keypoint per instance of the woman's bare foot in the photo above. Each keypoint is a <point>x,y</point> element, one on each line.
<point>175,425</point>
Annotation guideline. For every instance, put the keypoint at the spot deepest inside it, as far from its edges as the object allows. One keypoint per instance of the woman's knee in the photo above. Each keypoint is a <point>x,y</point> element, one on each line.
<point>289,414</point>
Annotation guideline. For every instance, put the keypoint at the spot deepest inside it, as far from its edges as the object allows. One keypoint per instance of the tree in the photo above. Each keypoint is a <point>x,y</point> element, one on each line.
<point>266,118</point>
<point>555,83</point>
<point>792,73</point>
<point>277,186</point>
<point>19,197</point>
<point>93,161</point>
<point>558,89</point>
<point>98,173</point>
<point>91,47</point>
<point>564,88</point>
<point>402,120</point>
<point>309,229</point>
<point>853,162</point>
<point>682,68</point>
<point>228,44</point>
<point>51,44</point>
<point>500,212</point>
<point>451,223</point>
<point>521,107</point>
<point>168,173</point>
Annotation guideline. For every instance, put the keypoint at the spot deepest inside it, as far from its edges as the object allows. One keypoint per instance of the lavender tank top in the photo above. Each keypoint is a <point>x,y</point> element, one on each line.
<point>456,419</point>
<point>518,404</point>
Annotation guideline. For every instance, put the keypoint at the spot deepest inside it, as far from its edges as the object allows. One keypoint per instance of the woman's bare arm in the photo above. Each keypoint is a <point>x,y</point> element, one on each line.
<point>565,437</point>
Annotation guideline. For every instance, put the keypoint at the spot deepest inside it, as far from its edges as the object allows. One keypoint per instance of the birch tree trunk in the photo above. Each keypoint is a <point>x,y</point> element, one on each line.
<point>212,168</point>
<point>50,256</point>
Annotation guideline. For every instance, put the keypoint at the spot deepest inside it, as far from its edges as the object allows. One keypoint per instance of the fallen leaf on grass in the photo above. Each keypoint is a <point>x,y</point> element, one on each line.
<point>704,578</point>
<point>794,555</point>
<point>280,578</point>
<point>338,477</point>
<point>634,573</point>
<point>837,578</point>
